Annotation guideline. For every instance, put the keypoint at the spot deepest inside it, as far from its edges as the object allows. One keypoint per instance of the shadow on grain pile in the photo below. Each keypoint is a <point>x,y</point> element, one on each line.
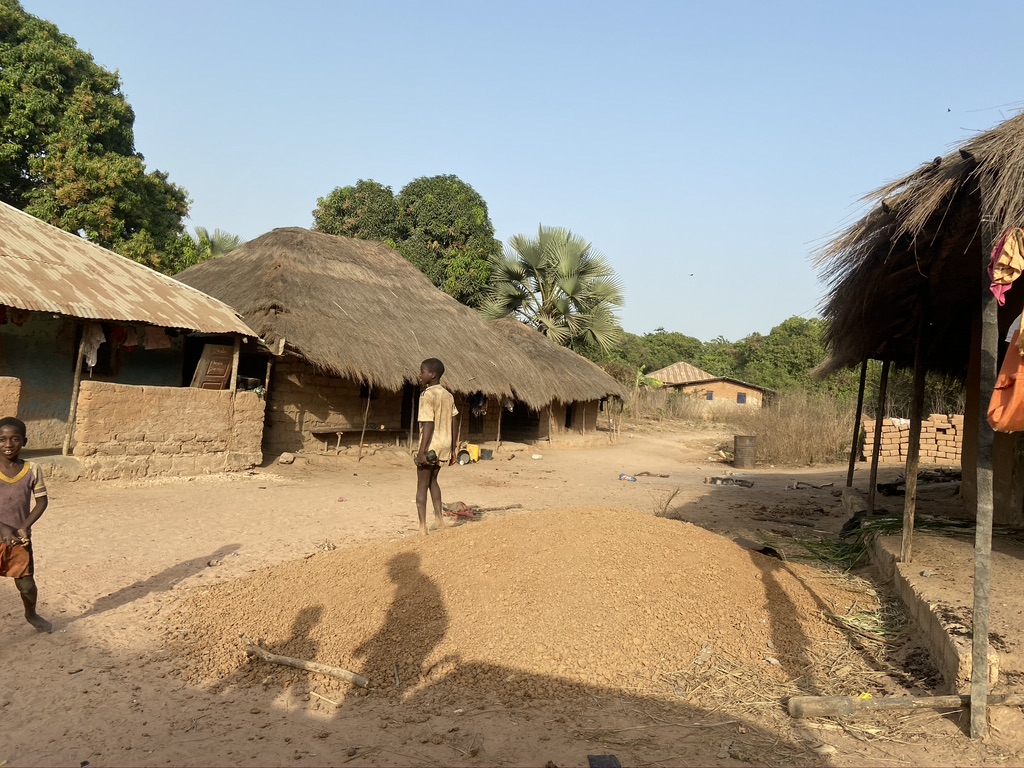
<point>558,608</point>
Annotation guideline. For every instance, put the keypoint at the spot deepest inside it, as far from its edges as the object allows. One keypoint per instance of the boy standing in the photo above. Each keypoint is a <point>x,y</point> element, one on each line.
<point>22,502</point>
<point>437,439</point>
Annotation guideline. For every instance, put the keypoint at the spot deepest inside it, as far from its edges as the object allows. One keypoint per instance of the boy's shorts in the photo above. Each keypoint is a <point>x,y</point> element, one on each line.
<point>16,560</point>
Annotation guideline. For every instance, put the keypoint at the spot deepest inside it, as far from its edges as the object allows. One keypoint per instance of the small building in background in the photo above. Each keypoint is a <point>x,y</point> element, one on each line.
<point>683,377</point>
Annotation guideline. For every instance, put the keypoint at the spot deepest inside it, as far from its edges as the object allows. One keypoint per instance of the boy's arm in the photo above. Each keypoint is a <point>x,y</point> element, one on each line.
<point>426,435</point>
<point>7,534</point>
<point>37,511</point>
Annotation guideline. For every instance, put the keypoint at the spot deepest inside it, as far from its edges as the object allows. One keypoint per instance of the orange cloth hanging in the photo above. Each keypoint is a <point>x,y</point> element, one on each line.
<point>1006,408</point>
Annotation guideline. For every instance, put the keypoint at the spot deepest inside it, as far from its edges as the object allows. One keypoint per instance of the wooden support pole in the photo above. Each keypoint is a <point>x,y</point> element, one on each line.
<point>988,359</point>
<point>412,419</point>
<point>856,423</point>
<point>551,422</point>
<point>235,357</point>
<point>876,450</point>
<point>366,415</point>
<point>76,385</point>
<point>914,439</point>
<point>501,407</point>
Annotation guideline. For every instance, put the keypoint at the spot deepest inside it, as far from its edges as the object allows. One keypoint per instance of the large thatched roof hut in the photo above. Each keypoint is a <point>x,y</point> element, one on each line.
<point>354,320</point>
<point>913,272</point>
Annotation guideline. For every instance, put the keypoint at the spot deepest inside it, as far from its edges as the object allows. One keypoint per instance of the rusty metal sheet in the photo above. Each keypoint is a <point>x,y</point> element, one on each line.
<point>45,269</point>
<point>680,373</point>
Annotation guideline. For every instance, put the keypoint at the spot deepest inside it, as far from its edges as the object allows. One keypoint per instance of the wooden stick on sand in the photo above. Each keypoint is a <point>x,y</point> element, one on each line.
<point>838,706</point>
<point>309,666</point>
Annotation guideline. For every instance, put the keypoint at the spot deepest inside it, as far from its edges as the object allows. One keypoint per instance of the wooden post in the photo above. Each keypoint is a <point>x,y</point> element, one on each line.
<point>266,384</point>
<point>366,415</point>
<point>501,407</point>
<point>236,354</point>
<point>856,423</point>
<point>551,422</point>
<point>462,414</point>
<point>76,384</point>
<point>883,385</point>
<point>412,419</point>
<point>914,441</point>
<point>988,359</point>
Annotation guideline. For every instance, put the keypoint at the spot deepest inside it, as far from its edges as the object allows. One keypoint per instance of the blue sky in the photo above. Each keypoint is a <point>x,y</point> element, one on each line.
<point>706,148</point>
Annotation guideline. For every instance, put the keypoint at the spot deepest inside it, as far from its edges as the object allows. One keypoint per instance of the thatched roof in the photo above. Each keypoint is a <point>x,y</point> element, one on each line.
<point>922,249</point>
<point>568,377</point>
<point>45,269</point>
<point>357,309</point>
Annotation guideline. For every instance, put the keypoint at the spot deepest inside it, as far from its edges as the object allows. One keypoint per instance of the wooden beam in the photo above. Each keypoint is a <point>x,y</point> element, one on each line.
<point>366,415</point>
<point>76,385</point>
<point>235,356</point>
<point>501,407</point>
<point>856,423</point>
<point>883,386</point>
<point>914,441</point>
<point>989,360</point>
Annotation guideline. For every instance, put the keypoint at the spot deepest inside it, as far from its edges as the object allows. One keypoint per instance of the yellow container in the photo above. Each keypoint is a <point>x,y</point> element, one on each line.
<point>473,451</point>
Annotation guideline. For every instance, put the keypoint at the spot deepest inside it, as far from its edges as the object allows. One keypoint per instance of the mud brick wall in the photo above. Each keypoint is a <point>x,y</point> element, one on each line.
<point>10,395</point>
<point>723,392</point>
<point>941,439</point>
<point>129,431</point>
<point>301,400</point>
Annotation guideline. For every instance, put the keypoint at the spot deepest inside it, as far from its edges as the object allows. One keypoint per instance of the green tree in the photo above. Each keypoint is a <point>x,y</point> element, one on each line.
<point>558,284</point>
<point>786,357</point>
<point>67,146</point>
<point>445,230</point>
<point>367,211</point>
<point>200,246</point>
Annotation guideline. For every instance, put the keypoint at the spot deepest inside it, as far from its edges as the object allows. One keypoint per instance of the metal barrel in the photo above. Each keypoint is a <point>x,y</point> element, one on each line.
<point>744,455</point>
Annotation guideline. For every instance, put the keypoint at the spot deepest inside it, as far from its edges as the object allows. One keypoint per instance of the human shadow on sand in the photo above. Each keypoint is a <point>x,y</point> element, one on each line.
<point>415,624</point>
<point>158,582</point>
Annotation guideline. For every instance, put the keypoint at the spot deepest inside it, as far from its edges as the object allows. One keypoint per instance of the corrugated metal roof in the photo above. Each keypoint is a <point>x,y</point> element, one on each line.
<point>45,269</point>
<point>680,373</point>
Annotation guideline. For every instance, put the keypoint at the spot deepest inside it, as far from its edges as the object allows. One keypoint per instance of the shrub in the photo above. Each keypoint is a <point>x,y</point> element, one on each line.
<point>799,427</point>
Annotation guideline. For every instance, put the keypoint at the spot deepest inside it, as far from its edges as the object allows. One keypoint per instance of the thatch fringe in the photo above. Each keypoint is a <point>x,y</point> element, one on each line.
<point>919,250</point>
<point>357,309</point>
<point>568,377</point>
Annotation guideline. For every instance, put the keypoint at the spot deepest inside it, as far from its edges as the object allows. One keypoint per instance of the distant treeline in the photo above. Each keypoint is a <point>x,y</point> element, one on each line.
<point>782,360</point>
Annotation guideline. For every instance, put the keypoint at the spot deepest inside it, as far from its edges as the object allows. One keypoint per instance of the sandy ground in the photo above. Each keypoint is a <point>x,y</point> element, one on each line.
<point>116,560</point>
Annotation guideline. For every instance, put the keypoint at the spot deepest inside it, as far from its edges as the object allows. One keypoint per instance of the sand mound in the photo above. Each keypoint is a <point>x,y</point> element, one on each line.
<point>516,607</point>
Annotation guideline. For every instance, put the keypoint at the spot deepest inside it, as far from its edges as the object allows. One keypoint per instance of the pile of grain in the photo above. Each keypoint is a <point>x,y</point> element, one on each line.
<point>518,607</point>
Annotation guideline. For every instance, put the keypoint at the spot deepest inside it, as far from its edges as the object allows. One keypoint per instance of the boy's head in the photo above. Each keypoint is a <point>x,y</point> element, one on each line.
<point>431,371</point>
<point>12,437</point>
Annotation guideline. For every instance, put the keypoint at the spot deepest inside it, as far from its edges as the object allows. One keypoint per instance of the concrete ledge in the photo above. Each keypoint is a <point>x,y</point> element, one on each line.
<point>951,654</point>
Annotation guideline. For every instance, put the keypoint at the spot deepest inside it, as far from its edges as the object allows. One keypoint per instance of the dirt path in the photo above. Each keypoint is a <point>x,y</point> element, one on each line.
<point>116,561</point>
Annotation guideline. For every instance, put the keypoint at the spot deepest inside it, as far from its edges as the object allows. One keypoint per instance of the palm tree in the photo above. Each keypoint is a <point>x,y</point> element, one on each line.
<point>214,244</point>
<point>203,245</point>
<point>558,284</point>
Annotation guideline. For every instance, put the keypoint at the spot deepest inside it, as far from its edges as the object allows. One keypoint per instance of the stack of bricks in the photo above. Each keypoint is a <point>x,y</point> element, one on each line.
<point>941,439</point>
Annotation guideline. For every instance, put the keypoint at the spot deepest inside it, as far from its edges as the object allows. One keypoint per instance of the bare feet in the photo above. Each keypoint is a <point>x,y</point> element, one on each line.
<point>438,523</point>
<point>37,621</point>
<point>423,531</point>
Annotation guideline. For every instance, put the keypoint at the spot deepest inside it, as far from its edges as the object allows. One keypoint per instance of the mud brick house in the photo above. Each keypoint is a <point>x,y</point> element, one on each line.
<point>683,377</point>
<point>351,320</point>
<point>99,356</point>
